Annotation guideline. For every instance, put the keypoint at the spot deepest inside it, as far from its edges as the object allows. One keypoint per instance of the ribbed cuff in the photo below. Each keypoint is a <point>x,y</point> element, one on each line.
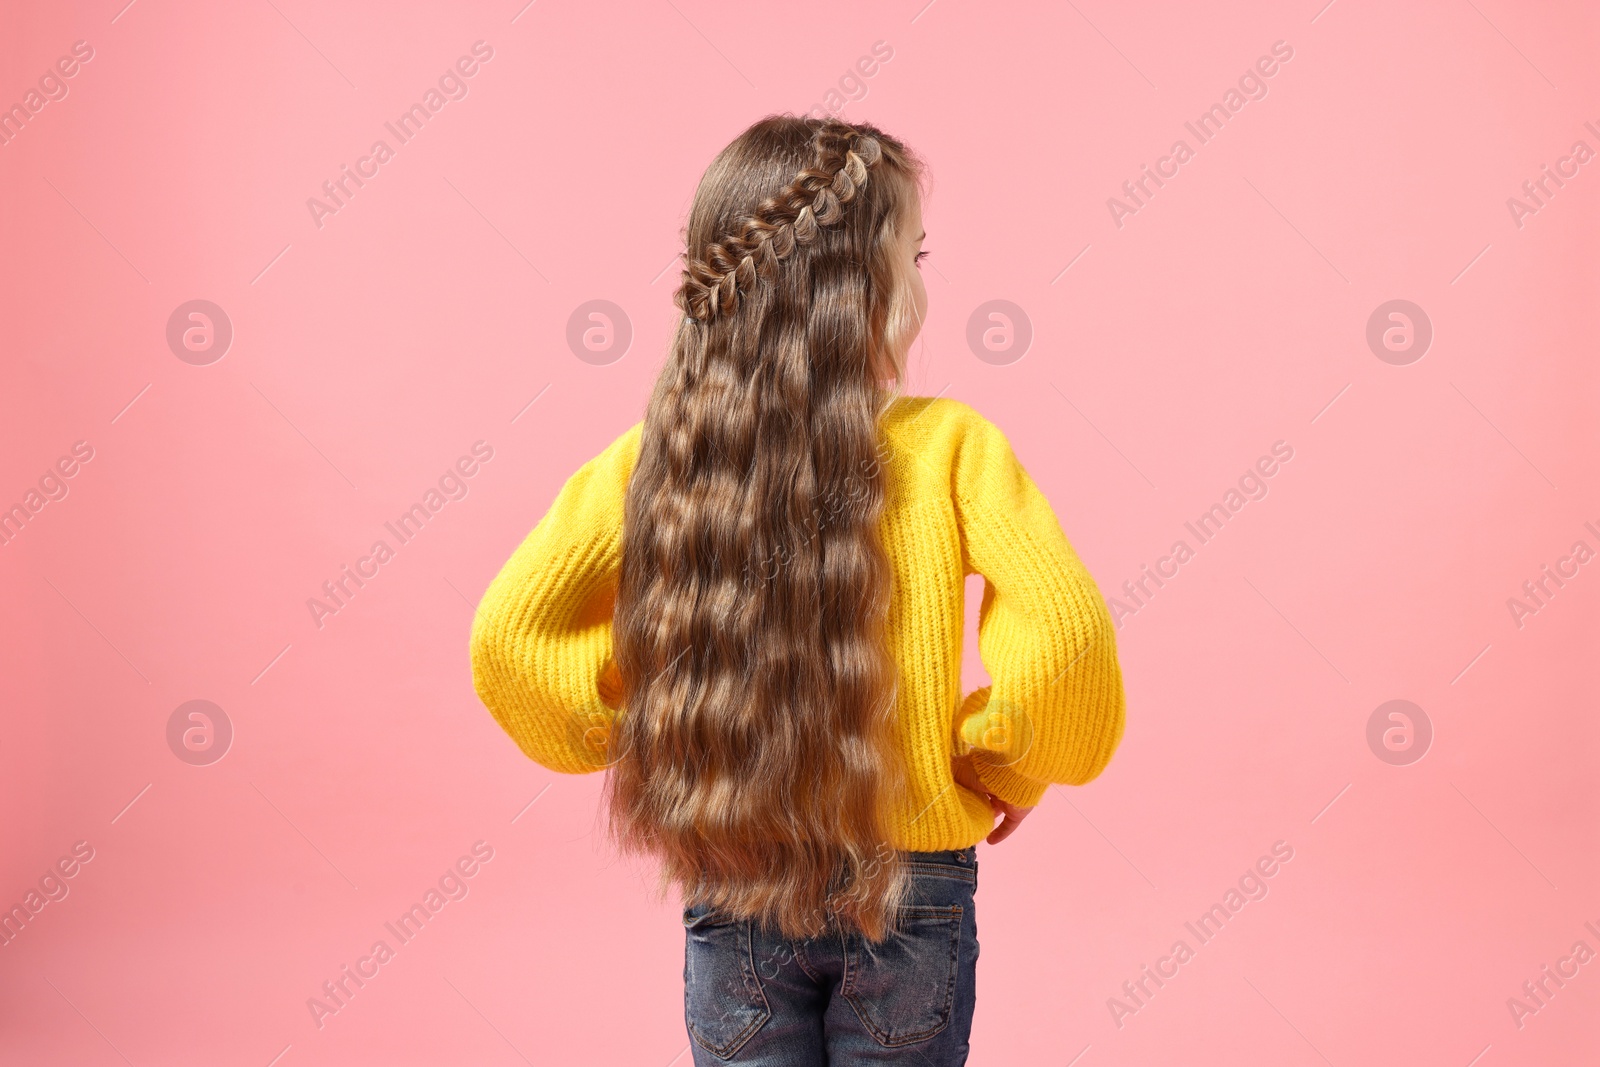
<point>977,723</point>
<point>1008,785</point>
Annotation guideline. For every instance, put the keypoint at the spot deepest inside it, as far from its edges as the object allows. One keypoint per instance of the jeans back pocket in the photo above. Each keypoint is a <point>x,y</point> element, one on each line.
<point>722,999</point>
<point>903,988</point>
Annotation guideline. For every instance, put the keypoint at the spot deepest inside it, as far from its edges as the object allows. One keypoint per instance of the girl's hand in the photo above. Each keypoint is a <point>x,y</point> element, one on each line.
<point>966,775</point>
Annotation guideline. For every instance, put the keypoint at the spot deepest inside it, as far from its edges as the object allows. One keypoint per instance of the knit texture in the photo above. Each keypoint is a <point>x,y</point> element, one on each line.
<point>957,502</point>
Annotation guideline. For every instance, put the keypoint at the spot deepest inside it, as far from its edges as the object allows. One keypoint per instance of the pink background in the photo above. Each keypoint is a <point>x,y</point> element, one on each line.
<point>372,352</point>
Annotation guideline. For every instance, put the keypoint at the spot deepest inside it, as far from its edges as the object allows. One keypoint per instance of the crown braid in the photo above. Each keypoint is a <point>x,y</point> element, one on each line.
<point>816,197</point>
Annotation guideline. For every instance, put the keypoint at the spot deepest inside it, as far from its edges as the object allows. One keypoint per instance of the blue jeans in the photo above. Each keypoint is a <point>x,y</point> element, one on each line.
<point>751,997</point>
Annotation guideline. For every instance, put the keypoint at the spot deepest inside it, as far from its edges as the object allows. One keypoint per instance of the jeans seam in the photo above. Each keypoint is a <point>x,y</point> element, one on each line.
<point>943,870</point>
<point>799,951</point>
<point>847,979</point>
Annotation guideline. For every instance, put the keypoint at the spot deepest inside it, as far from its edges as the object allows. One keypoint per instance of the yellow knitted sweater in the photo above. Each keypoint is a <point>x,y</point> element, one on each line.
<point>958,502</point>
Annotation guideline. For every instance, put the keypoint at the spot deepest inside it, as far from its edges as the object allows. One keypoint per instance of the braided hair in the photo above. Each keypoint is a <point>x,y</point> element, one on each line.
<point>816,198</point>
<point>755,753</point>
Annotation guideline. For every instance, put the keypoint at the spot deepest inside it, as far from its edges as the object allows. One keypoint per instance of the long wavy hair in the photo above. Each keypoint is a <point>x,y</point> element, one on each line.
<point>755,756</point>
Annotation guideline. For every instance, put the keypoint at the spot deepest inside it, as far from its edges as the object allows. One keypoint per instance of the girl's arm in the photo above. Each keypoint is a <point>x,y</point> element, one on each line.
<point>1054,710</point>
<point>541,641</point>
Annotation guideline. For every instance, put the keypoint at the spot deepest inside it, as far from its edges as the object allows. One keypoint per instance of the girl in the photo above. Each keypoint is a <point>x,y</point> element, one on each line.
<point>748,609</point>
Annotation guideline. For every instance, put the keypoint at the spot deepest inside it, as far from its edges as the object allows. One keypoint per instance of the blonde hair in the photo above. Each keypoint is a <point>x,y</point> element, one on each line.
<point>755,754</point>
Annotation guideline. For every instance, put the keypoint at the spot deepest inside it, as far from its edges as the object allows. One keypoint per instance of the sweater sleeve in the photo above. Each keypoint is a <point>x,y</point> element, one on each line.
<point>541,640</point>
<point>1053,712</point>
